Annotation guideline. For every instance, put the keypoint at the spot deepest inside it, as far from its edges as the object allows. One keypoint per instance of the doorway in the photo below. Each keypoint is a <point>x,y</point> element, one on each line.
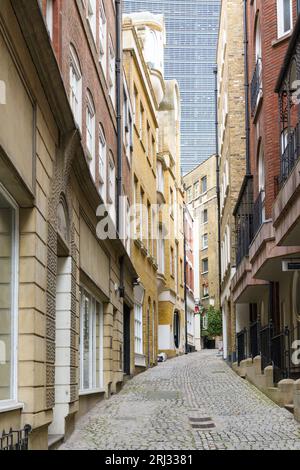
<point>176,330</point>
<point>126,340</point>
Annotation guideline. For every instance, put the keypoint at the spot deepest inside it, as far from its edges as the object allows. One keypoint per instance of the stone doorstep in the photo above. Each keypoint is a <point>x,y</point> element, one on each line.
<point>55,440</point>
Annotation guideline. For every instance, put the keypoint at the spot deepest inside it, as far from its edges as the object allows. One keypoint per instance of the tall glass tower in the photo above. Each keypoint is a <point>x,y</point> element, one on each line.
<point>190,56</point>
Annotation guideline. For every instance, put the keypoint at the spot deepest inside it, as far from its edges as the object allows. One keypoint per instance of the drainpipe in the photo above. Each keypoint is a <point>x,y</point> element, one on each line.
<point>218,178</point>
<point>119,109</point>
<point>246,72</point>
<point>184,281</point>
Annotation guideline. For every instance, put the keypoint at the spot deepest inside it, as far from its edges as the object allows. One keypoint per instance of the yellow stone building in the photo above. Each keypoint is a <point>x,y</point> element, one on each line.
<point>157,179</point>
<point>143,180</point>
<point>201,194</point>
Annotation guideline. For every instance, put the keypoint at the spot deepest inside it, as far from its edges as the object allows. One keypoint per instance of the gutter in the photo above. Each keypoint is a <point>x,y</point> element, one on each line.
<point>184,274</point>
<point>246,72</point>
<point>119,110</point>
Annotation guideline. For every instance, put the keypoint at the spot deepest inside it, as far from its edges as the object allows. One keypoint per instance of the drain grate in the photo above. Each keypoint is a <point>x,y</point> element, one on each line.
<point>202,423</point>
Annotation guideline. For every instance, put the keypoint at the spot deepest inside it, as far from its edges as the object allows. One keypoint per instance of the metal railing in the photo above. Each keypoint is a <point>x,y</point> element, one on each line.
<point>265,335</point>
<point>254,340</point>
<point>241,339</point>
<point>280,355</point>
<point>244,221</point>
<point>258,212</point>
<point>290,154</point>
<point>256,84</point>
<point>15,440</point>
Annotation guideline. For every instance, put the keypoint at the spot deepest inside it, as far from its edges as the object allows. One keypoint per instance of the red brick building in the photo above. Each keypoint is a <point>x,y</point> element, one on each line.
<point>266,304</point>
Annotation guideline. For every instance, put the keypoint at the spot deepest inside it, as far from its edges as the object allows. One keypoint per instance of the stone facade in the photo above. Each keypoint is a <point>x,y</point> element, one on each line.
<point>231,119</point>
<point>52,189</point>
<point>201,195</point>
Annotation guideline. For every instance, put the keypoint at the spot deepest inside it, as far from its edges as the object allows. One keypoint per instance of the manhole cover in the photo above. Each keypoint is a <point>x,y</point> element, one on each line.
<point>199,420</point>
<point>163,395</point>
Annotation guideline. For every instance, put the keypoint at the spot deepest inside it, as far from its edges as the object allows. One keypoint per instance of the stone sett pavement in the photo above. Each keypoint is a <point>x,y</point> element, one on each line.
<point>154,410</point>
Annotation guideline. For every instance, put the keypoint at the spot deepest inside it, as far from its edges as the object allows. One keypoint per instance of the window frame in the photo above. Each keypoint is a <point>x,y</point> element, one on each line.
<point>13,399</point>
<point>138,329</point>
<point>90,110</point>
<point>280,18</point>
<point>75,67</point>
<point>92,354</point>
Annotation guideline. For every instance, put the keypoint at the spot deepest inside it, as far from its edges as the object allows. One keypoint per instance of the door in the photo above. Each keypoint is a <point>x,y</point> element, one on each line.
<point>126,340</point>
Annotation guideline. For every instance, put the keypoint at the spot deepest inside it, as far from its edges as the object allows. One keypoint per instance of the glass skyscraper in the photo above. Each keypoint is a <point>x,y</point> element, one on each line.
<point>190,56</point>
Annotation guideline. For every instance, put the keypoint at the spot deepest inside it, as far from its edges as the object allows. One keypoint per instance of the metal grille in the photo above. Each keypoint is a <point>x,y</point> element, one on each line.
<point>15,440</point>
<point>244,221</point>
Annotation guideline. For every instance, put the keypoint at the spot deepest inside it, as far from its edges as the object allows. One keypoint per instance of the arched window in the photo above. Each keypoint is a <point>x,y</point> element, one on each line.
<point>90,131</point>
<point>75,87</point>
<point>102,163</point>
<point>261,170</point>
<point>258,49</point>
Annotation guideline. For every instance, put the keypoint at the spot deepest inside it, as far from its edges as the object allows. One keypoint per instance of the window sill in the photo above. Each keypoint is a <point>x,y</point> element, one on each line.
<point>91,392</point>
<point>10,406</point>
<point>282,38</point>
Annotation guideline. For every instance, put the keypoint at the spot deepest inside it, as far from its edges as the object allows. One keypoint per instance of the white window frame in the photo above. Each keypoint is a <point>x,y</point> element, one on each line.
<point>90,133</point>
<point>204,241</point>
<point>138,329</point>
<point>102,163</point>
<point>280,18</point>
<point>75,87</point>
<point>91,16</point>
<point>111,181</point>
<point>12,401</point>
<point>202,263</point>
<point>112,72</point>
<point>93,379</point>
<point>103,38</point>
<point>49,17</point>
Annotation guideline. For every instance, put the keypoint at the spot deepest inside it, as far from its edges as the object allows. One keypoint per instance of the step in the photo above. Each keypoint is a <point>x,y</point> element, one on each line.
<point>55,440</point>
<point>290,408</point>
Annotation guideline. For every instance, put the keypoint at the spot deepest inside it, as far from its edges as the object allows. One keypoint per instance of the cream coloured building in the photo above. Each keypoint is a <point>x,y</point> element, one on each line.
<point>201,196</point>
<point>231,135</point>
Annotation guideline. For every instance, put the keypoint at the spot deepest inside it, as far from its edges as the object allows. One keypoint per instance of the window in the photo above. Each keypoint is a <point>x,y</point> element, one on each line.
<point>112,181</point>
<point>102,163</point>
<point>160,177</point>
<point>172,273</point>
<point>135,192</point>
<point>135,104</point>
<point>90,132</point>
<point>181,272</point>
<point>205,265</point>
<point>205,216</point>
<point>149,226</point>
<point>112,72</point>
<point>138,329</point>
<point>204,184</point>
<point>76,87</point>
<point>91,16</point>
<point>161,252</point>
<point>141,231</point>
<point>49,17</point>
<point>204,241</point>
<point>127,124</point>
<point>196,189</point>
<point>91,342</point>
<point>189,194</point>
<point>9,296</point>
<point>205,290</point>
<point>103,39</point>
<point>284,16</point>
<point>128,227</point>
<point>141,129</point>
<point>171,202</point>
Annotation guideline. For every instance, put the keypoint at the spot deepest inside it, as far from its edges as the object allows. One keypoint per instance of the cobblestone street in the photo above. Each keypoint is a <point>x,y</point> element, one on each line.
<point>191,402</point>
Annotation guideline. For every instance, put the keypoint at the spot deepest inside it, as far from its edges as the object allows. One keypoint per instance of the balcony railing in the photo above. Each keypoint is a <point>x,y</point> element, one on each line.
<point>244,221</point>
<point>258,212</point>
<point>290,154</point>
<point>256,85</point>
<point>254,340</point>
<point>241,338</point>
<point>279,350</point>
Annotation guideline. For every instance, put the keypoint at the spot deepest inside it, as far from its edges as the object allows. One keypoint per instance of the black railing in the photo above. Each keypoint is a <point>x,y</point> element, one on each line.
<point>258,212</point>
<point>265,335</point>
<point>256,84</point>
<point>241,339</point>
<point>254,341</point>
<point>244,221</point>
<point>290,154</point>
<point>15,440</point>
<point>280,355</point>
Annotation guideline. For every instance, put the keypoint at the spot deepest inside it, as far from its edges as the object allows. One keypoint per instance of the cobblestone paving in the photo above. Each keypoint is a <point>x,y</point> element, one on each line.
<point>154,411</point>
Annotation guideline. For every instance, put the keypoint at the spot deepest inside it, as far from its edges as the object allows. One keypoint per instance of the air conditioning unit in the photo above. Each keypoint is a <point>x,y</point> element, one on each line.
<point>291,265</point>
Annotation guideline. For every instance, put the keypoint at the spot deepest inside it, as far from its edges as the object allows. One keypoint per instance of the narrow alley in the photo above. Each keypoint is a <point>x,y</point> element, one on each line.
<point>190,402</point>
